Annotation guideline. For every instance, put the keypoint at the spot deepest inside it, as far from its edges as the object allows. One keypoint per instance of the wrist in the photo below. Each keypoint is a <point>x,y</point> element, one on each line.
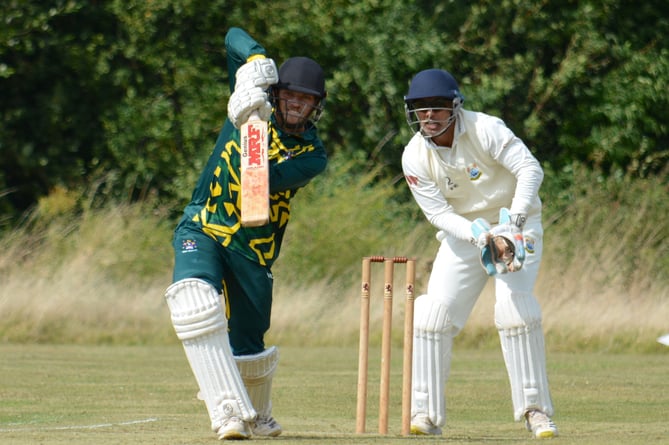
<point>255,56</point>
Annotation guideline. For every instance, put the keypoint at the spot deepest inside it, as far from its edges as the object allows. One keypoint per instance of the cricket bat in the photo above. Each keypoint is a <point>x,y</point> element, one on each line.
<point>254,172</point>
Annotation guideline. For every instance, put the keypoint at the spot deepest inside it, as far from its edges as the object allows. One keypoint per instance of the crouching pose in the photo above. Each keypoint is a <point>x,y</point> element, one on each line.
<point>467,170</point>
<point>221,297</point>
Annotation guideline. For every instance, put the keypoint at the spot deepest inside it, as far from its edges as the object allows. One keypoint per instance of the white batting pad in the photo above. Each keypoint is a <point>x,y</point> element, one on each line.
<point>257,371</point>
<point>432,344</point>
<point>518,320</point>
<point>199,322</point>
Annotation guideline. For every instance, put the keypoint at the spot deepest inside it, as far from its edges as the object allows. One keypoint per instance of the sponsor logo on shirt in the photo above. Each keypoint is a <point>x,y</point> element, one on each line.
<point>411,180</point>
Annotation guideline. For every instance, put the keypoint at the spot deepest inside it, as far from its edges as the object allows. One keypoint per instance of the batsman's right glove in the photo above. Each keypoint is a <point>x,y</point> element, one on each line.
<point>244,101</point>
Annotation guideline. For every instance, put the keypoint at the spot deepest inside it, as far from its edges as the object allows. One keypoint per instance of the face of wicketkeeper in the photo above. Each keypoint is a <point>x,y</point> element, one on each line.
<point>433,114</point>
<point>295,109</point>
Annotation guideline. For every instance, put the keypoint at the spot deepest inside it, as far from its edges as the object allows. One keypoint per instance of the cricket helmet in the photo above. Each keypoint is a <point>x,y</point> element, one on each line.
<point>303,75</point>
<point>433,83</point>
<point>436,84</point>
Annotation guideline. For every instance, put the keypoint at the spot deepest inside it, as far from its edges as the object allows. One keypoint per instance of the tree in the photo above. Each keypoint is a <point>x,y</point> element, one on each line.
<point>125,98</point>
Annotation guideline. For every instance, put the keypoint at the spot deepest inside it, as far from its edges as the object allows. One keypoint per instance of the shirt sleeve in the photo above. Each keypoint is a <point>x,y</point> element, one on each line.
<point>432,202</point>
<point>240,46</point>
<point>297,172</point>
<point>514,155</point>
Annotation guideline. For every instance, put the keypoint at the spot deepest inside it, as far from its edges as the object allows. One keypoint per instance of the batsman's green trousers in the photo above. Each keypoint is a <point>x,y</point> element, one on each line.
<point>246,285</point>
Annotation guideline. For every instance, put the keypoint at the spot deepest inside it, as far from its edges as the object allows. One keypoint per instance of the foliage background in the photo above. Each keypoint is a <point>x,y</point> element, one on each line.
<point>126,97</point>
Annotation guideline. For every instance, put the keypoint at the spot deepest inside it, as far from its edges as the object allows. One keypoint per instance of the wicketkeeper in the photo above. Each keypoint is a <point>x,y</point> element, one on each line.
<point>478,184</point>
<point>221,297</point>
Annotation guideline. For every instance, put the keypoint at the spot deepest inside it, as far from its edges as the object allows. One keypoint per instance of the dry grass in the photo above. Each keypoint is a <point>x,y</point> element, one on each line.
<point>99,277</point>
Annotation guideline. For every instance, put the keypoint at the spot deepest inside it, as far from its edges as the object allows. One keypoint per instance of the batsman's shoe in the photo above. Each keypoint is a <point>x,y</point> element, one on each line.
<point>423,426</point>
<point>266,426</point>
<point>540,424</point>
<point>234,428</point>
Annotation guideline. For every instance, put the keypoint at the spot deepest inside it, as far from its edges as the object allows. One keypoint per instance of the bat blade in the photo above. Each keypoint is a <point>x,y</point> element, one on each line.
<point>254,172</point>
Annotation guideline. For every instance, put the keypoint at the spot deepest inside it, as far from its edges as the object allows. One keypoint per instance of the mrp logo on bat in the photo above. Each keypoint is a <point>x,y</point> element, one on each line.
<point>253,146</point>
<point>254,172</point>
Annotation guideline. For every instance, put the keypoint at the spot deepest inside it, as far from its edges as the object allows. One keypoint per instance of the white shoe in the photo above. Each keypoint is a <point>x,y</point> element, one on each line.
<point>540,424</point>
<point>421,425</point>
<point>234,428</point>
<point>266,426</point>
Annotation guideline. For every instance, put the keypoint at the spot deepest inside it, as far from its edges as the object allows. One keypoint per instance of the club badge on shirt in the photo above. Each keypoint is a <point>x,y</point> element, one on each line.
<point>188,245</point>
<point>474,172</point>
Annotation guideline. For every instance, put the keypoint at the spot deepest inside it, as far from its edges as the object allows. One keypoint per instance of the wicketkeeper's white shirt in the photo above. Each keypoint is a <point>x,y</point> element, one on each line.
<point>487,168</point>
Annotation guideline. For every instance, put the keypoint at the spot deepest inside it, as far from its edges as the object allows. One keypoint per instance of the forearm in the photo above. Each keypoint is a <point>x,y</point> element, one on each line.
<point>453,224</point>
<point>518,159</point>
<point>240,46</point>
<point>441,215</point>
<point>296,173</point>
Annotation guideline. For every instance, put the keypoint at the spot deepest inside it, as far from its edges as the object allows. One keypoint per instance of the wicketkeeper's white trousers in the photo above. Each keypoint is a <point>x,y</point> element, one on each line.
<point>455,284</point>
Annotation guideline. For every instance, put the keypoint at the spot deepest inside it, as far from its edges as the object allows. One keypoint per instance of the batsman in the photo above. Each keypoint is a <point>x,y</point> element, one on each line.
<point>477,184</point>
<point>221,297</point>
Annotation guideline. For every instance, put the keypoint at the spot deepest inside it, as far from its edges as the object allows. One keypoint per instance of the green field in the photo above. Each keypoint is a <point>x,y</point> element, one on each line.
<point>147,395</point>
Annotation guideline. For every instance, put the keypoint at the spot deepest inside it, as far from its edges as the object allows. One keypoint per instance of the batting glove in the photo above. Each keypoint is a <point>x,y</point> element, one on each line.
<point>260,72</point>
<point>243,102</point>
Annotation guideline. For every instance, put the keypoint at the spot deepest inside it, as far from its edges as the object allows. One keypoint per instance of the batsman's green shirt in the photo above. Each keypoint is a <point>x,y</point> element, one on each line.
<point>294,161</point>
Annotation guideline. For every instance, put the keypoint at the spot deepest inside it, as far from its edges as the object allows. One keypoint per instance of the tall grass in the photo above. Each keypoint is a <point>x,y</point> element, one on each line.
<point>87,275</point>
<point>606,273</point>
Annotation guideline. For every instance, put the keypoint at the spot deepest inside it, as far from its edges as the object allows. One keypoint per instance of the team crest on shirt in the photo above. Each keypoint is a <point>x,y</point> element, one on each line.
<point>188,245</point>
<point>529,244</point>
<point>474,172</point>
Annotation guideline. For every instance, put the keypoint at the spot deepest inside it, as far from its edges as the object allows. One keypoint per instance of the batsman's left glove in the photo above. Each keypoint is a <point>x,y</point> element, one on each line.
<point>259,72</point>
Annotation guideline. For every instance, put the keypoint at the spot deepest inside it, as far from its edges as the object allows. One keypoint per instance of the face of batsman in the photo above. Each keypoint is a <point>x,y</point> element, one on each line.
<point>294,109</point>
<point>299,96</point>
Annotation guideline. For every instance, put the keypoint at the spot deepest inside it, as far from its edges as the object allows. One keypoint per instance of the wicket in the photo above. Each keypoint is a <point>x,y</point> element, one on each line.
<point>363,357</point>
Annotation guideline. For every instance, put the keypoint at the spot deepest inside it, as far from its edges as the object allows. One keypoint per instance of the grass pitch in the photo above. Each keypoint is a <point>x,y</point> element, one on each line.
<point>146,395</point>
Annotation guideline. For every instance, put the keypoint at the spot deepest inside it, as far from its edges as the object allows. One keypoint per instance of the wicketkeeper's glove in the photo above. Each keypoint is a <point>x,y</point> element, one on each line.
<point>502,247</point>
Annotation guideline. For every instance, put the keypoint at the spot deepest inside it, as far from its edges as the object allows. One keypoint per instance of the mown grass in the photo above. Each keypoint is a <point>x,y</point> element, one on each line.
<point>75,273</point>
<point>86,394</point>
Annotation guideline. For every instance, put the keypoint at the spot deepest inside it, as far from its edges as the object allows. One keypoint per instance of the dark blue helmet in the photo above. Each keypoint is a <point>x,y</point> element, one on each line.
<point>433,83</point>
<point>432,89</point>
